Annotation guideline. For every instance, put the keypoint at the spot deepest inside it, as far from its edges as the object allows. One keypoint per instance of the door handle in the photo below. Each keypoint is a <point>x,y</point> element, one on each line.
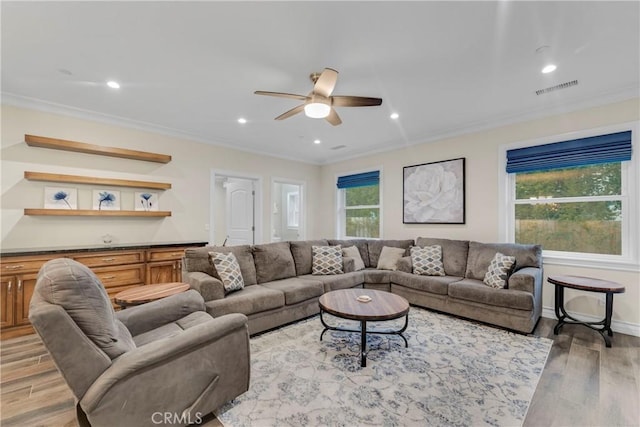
<point>109,277</point>
<point>9,287</point>
<point>108,259</point>
<point>19,285</point>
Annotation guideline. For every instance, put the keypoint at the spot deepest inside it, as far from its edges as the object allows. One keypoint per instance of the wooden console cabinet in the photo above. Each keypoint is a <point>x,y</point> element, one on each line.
<point>118,269</point>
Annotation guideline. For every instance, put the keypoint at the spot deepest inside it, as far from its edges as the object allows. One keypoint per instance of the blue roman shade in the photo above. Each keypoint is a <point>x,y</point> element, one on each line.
<point>613,147</point>
<point>359,180</point>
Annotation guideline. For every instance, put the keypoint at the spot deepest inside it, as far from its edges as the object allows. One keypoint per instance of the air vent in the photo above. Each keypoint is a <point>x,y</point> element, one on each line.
<point>338,147</point>
<point>557,87</point>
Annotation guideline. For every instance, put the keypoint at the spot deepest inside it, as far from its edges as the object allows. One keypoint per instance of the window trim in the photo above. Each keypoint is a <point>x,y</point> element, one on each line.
<point>630,259</point>
<point>341,205</point>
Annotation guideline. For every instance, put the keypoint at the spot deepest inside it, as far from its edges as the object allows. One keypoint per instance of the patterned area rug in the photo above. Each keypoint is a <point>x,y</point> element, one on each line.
<point>454,373</point>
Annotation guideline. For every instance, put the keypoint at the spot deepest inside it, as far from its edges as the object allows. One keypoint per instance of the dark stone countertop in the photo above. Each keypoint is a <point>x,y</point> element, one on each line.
<point>94,248</point>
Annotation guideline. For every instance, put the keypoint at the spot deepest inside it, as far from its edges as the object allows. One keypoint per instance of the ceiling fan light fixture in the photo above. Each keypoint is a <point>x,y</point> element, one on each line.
<point>317,110</point>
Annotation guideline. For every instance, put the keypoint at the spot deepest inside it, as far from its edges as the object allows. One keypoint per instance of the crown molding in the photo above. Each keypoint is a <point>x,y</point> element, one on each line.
<point>79,113</point>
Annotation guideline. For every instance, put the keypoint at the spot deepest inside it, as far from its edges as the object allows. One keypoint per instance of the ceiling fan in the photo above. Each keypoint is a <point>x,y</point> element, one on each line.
<point>319,103</point>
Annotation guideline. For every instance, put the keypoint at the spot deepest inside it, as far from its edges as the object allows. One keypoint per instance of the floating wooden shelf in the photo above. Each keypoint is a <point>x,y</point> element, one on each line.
<point>81,147</point>
<point>76,179</point>
<point>87,212</point>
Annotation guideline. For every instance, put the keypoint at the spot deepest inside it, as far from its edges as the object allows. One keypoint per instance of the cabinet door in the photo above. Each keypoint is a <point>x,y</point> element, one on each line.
<point>161,272</point>
<point>7,292</point>
<point>25,285</point>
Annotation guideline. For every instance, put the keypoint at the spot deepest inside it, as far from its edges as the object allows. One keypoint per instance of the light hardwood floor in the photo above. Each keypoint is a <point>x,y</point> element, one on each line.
<point>583,383</point>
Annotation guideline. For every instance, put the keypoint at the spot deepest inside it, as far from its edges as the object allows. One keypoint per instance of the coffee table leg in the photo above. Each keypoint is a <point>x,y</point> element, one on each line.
<point>363,343</point>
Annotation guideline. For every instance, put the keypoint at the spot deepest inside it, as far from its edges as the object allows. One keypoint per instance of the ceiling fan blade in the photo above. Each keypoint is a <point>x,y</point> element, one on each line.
<point>326,82</point>
<point>281,95</point>
<point>293,111</point>
<point>355,101</point>
<point>333,117</point>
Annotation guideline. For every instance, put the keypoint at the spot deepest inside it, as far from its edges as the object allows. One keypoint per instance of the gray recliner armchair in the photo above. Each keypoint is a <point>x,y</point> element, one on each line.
<point>167,362</point>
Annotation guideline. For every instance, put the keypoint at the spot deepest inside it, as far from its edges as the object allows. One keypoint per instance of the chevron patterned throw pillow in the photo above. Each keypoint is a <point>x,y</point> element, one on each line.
<point>229,270</point>
<point>326,260</point>
<point>427,261</point>
<point>500,268</point>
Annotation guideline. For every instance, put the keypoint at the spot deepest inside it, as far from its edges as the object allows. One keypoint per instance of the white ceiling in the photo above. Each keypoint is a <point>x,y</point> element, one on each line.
<point>190,68</point>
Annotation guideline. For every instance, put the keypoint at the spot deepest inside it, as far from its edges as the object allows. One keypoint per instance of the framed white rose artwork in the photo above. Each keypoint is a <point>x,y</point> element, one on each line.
<point>433,193</point>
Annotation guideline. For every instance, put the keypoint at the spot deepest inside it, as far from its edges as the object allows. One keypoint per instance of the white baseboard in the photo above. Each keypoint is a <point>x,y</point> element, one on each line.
<point>616,325</point>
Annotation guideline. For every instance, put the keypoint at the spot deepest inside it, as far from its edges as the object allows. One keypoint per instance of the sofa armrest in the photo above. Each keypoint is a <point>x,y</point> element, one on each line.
<point>404,264</point>
<point>348,264</point>
<point>143,318</point>
<point>528,279</point>
<point>194,358</point>
<point>208,286</point>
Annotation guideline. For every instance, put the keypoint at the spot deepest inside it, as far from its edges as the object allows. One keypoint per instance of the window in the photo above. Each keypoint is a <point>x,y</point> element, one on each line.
<point>359,205</point>
<point>576,198</point>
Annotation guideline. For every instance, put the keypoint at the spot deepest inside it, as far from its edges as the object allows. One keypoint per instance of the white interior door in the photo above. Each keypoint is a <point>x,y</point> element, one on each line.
<point>240,212</point>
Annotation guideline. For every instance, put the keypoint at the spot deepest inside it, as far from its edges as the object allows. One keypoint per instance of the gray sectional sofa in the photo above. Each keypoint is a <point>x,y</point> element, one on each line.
<point>280,287</point>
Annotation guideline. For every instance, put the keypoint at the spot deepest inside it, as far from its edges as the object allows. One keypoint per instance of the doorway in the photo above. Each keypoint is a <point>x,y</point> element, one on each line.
<point>287,210</point>
<point>235,210</point>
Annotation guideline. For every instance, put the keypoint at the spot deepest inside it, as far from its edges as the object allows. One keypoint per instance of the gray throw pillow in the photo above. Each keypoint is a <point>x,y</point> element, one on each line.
<point>389,258</point>
<point>326,260</point>
<point>500,268</point>
<point>228,269</point>
<point>353,252</point>
<point>427,261</point>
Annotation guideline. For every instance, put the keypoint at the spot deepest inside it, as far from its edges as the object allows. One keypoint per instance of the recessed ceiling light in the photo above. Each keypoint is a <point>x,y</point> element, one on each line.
<point>316,141</point>
<point>113,84</point>
<point>394,115</point>
<point>242,120</point>
<point>548,69</point>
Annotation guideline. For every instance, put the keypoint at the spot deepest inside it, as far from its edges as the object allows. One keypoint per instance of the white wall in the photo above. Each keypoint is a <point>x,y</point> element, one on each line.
<point>189,172</point>
<point>481,152</point>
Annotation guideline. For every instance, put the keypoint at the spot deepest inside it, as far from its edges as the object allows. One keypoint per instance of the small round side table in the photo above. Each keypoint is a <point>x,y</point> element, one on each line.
<point>588,284</point>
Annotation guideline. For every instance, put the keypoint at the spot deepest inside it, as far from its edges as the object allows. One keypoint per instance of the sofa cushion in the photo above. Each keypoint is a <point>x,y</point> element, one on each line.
<point>454,254</point>
<point>481,254</point>
<point>273,261</point>
<point>375,248</point>
<point>432,284</point>
<point>75,288</point>
<point>374,276</point>
<point>339,281</point>
<point>250,300</point>
<point>477,291</point>
<point>353,252</point>
<point>389,257</point>
<point>302,255</point>
<point>326,260</point>
<point>198,259</point>
<point>228,270</point>
<point>427,261</point>
<point>361,244</point>
<point>499,270</point>
<point>296,290</point>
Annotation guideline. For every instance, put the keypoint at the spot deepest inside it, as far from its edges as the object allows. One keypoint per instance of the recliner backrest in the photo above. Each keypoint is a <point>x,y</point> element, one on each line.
<point>75,288</point>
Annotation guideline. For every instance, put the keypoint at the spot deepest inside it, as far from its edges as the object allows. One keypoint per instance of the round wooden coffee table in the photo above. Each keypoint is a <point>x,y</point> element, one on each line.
<point>148,293</point>
<point>344,304</point>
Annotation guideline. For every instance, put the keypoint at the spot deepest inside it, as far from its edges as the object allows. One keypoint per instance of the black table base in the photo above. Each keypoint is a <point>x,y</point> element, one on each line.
<point>603,327</point>
<point>363,334</point>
